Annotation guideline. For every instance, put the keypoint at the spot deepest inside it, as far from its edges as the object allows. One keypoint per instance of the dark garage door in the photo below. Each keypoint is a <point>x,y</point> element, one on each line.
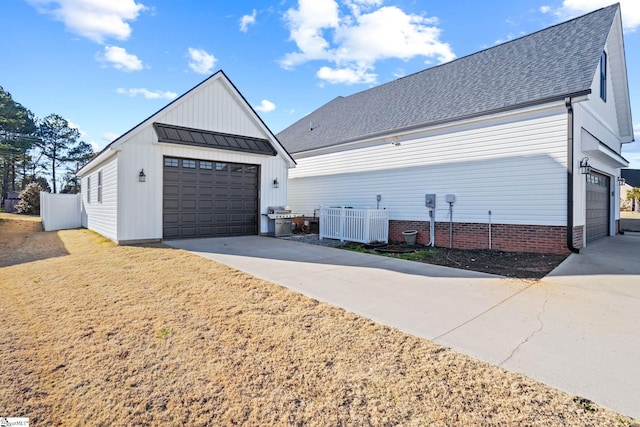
<point>209,199</point>
<point>597,206</point>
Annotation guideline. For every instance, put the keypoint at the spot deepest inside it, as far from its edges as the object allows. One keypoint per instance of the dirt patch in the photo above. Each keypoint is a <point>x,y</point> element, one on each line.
<point>149,335</point>
<point>521,265</point>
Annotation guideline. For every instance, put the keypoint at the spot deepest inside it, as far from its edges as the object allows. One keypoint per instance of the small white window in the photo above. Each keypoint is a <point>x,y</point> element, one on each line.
<point>188,164</point>
<point>100,187</point>
<point>603,76</point>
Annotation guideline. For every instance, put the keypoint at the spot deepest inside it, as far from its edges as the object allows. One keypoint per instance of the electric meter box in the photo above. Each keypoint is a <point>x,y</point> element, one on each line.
<point>430,201</point>
<point>450,198</point>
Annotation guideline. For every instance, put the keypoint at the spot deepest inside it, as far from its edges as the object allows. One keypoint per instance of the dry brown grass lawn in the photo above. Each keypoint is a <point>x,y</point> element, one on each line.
<point>97,334</point>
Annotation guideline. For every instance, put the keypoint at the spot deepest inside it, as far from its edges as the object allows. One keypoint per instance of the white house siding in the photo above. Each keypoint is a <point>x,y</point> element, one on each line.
<point>513,166</point>
<point>603,111</point>
<point>597,121</point>
<point>101,217</point>
<point>590,130</point>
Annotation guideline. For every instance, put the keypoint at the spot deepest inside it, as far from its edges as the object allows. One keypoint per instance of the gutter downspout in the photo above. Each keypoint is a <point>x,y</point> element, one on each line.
<point>572,248</point>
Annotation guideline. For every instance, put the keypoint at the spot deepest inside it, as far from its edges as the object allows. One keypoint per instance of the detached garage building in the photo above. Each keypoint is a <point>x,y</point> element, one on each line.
<point>203,166</point>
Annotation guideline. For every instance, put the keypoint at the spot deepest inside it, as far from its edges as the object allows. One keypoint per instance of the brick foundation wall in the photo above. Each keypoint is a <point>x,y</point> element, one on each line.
<point>578,235</point>
<point>504,237</point>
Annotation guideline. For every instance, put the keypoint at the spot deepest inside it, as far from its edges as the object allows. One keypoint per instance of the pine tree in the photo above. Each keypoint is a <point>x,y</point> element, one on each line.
<point>56,139</point>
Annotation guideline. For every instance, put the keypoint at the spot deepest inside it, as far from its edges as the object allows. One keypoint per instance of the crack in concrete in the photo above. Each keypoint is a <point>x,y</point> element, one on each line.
<point>532,334</point>
<point>532,283</point>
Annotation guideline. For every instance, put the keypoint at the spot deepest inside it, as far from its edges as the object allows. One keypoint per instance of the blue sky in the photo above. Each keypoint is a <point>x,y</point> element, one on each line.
<point>105,65</point>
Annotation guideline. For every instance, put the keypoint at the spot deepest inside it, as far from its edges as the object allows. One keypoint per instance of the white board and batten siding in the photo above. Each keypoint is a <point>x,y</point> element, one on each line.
<point>212,106</point>
<point>513,166</point>
<point>132,211</point>
<point>101,215</point>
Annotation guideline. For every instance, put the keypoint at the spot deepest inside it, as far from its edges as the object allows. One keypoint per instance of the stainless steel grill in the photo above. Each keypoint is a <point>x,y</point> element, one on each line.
<point>275,213</point>
<point>280,220</point>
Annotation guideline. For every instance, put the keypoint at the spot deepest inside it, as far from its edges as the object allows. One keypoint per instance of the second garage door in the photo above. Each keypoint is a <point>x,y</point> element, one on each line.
<point>597,206</point>
<point>209,199</point>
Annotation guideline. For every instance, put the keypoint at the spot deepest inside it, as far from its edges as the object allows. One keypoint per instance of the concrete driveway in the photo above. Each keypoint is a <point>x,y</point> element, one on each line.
<point>577,330</point>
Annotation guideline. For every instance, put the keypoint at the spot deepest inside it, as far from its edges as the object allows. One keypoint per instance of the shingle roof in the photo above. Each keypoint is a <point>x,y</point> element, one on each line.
<point>204,138</point>
<point>550,64</point>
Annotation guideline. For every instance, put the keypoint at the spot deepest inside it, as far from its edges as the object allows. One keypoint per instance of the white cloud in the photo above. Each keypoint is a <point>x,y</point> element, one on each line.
<point>75,126</point>
<point>509,37</point>
<point>400,72</point>
<point>120,59</point>
<point>359,37</point>
<point>247,20</point>
<point>265,106</point>
<point>201,61</point>
<point>306,26</point>
<point>83,135</point>
<point>357,6</point>
<point>109,136</point>
<point>148,94</point>
<point>572,8</point>
<point>93,19</point>
<point>636,131</point>
<point>346,75</point>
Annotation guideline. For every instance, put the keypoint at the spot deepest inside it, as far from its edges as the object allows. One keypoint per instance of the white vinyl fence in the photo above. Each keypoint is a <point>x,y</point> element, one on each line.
<point>60,211</point>
<point>354,225</point>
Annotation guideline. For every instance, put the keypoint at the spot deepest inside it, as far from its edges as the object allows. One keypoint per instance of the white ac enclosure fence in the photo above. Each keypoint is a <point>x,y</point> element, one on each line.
<point>354,225</point>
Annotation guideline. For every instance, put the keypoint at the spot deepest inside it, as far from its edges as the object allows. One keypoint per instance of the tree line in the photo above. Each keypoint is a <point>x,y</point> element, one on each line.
<point>45,151</point>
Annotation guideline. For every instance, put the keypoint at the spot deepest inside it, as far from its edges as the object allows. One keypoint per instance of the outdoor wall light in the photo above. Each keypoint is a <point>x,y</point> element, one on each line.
<point>276,184</point>
<point>585,167</point>
<point>621,181</point>
<point>142,177</point>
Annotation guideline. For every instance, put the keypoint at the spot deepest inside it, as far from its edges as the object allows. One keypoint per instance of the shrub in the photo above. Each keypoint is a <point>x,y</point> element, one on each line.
<point>29,203</point>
